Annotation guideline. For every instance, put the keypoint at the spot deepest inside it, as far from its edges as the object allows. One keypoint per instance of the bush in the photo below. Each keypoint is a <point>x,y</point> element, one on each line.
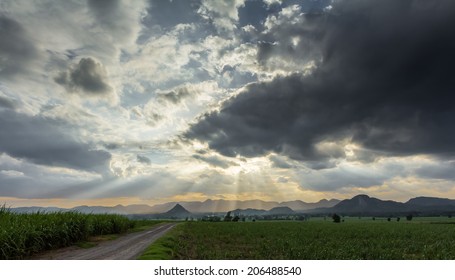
<point>336,218</point>
<point>409,217</point>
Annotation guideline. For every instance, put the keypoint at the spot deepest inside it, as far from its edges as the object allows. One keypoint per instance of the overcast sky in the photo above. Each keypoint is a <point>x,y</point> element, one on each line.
<point>106,102</point>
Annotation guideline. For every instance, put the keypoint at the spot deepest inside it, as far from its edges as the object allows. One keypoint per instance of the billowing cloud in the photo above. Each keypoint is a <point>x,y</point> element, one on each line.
<point>386,87</point>
<point>88,77</point>
<point>7,103</point>
<point>224,14</point>
<point>17,50</point>
<point>120,19</point>
<point>24,179</point>
<point>40,141</point>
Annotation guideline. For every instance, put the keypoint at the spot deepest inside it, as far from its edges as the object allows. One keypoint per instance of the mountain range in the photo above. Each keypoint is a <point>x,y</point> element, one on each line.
<point>222,205</point>
<point>359,205</point>
<point>365,205</point>
<point>207,206</point>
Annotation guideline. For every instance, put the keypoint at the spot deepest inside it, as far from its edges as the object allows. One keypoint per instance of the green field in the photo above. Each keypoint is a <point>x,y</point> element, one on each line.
<point>432,238</point>
<point>22,235</point>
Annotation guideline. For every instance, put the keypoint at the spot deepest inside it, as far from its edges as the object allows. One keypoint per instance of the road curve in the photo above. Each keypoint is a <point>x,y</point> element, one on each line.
<point>127,247</point>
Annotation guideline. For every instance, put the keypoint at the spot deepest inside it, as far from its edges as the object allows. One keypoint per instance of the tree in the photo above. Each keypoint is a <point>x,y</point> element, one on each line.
<point>228,217</point>
<point>398,219</point>
<point>409,217</point>
<point>336,218</point>
<point>374,219</point>
<point>388,219</point>
<point>236,219</point>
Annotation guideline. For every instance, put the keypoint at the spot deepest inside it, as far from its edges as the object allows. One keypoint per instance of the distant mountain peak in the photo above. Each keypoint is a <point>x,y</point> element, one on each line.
<point>178,210</point>
<point>361,196</point>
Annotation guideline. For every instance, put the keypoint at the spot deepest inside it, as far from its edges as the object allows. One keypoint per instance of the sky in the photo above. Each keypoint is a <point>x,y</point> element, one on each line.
<point>144,102</point>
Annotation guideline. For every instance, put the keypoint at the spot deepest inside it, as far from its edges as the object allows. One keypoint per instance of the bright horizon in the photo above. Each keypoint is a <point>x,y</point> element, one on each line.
<point>147,102</point>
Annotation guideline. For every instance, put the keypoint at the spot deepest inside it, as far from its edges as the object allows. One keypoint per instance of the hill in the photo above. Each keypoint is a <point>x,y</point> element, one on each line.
<point>280,211</point>
<point>298,205</point>
<point>430,201</point>
<point>178,211</point>
<point>365,204</point>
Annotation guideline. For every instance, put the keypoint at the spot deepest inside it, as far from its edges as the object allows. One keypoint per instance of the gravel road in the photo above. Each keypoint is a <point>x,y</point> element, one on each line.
<point>127,247</point>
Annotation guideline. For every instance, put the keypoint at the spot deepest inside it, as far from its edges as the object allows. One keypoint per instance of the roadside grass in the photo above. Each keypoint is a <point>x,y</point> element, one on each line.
<point>355,239</point>
<point>163,248</point>
<point>23,235</point>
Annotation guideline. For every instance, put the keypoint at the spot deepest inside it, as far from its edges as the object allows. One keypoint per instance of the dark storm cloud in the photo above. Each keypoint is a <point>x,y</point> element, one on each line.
<point>17,50</point>
<point>385,81</point>
<point>40,141</point>
<point>88,77</point>
<point>7,103</point>
<point>293,37</point>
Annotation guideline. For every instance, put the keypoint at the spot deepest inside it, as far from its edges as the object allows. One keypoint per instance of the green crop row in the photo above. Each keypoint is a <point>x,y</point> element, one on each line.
<point>308,240</point>
<point>22,235</point>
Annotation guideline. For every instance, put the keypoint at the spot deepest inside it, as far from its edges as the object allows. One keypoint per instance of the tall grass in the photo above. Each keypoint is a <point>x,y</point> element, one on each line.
<point>22,235</point>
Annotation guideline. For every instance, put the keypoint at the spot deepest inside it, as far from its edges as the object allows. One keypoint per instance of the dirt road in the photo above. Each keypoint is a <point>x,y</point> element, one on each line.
<point>127,247</point>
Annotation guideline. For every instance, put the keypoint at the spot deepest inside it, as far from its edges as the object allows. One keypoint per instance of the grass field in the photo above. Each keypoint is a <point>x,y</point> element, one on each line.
<point>22,235</point>
<point>432,238</point>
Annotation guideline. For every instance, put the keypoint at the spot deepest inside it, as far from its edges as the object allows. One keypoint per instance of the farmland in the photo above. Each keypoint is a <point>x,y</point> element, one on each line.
<point>22,235</point>
<point>364,238</point>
